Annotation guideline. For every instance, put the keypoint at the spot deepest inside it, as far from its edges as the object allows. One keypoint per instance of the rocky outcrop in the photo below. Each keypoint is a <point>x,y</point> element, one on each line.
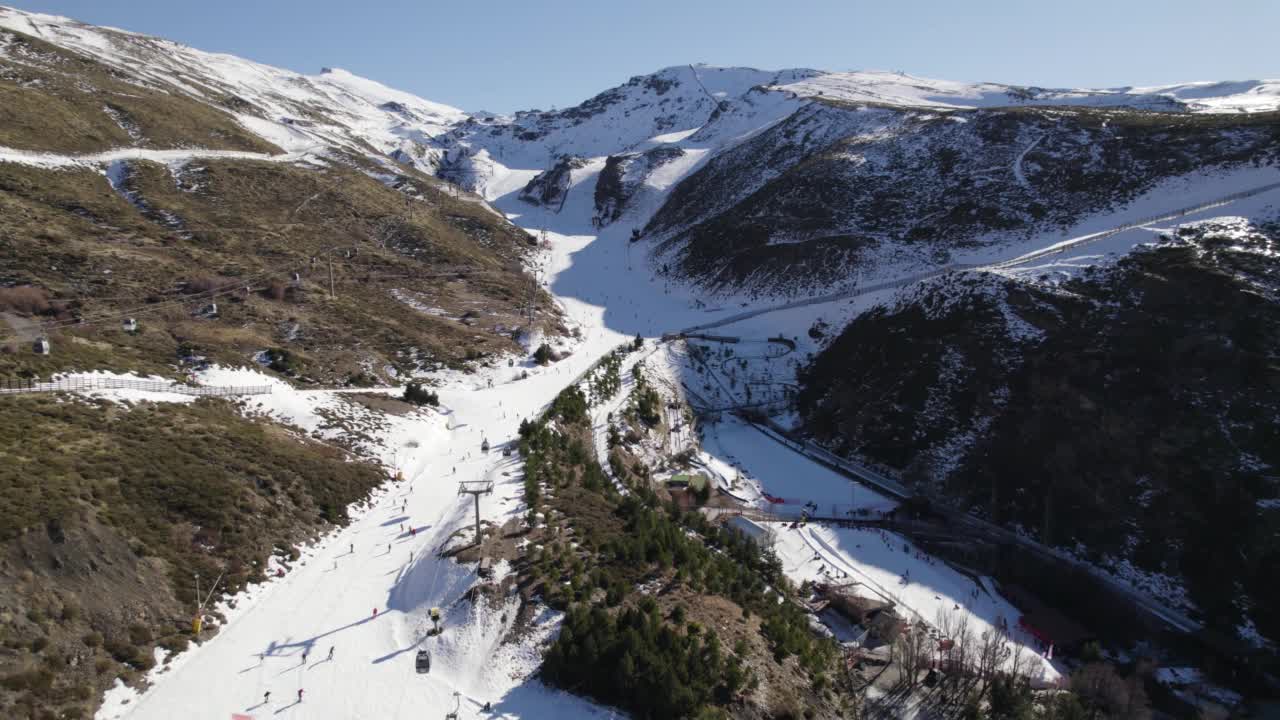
<point>549,187</point>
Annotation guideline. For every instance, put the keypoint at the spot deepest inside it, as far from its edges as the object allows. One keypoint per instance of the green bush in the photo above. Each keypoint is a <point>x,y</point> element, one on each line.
<point>639,662</point>
<point>543,354</point>
<point>417,394</point>
<point>284,361</point>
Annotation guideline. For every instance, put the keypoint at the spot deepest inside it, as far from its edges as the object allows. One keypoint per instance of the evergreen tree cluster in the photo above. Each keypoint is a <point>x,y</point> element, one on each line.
<point>636,659</point>
<point>632,657</point>
<point>648,403</point>
<point>607,380</point>
<point>418,395</point>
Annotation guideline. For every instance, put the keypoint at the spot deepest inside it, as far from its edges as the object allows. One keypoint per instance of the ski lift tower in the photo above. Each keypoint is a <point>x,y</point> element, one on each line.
<point>476,488</point>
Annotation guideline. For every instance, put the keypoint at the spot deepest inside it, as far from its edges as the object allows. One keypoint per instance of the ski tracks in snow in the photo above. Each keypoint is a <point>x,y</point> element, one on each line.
<point>57,161</point>
<point>1018,174</point>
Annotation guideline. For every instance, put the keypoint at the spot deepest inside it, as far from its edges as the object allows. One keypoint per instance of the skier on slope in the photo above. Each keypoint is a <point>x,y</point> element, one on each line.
<point>330,652</point>
<point>266,697</point>
<point>299,694</point>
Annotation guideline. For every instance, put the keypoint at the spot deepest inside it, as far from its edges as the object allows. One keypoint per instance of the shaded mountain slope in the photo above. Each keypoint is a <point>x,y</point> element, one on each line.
<point>1128,414</point>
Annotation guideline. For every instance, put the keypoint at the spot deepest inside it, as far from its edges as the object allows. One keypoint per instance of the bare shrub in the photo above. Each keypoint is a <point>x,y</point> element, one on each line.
<point>24,299</point>
<point>275,290</point>
<point>205,283</point>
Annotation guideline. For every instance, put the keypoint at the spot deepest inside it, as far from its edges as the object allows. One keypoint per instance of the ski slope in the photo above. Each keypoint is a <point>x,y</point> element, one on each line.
<point>887,565</point>
<point>872,557</point>
<point>328,597</point>
<point>609,294</point>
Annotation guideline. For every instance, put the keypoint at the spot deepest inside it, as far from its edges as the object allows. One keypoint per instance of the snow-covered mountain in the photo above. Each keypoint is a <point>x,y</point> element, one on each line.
<point>902,90</point>
<point>130,160</point>
<point>693,113</point>
<point>295,112</point>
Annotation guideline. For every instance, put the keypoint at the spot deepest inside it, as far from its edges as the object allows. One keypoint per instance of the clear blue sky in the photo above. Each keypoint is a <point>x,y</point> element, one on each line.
<point>503,56</point>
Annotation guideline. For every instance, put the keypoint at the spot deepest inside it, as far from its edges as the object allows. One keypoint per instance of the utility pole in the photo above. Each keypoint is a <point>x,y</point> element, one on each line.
<point>331,292</point>
<point>476,488</point>
<point>197,620</point>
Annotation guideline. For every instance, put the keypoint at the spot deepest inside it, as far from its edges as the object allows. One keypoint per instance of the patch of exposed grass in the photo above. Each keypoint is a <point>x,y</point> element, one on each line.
<point>94,255</point>
<point>107,511</point>
<point>61,101</point>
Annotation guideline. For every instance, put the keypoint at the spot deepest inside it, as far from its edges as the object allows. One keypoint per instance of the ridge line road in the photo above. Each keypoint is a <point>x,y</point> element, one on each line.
<point>1055,249</point>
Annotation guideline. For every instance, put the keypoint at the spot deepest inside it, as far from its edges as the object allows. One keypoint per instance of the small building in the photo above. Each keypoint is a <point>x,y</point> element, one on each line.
<point>761,534</point>
<point>41,346</point>
<point>878,617</point>
<point>856,608</point>
<point>688,490</point>
<point>1043,622</point>
<point>687,481</point>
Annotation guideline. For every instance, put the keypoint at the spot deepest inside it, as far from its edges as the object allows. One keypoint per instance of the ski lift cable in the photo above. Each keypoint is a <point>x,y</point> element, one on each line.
<point>232,287</point>
<point>204,295</point>
<point>146,309</point>
<point>116,315</point>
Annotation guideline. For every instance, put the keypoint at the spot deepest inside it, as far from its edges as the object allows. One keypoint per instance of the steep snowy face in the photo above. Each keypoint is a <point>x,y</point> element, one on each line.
<point>685,104</point>
<point>903,90</point>
<point>296,112</point>
<point>753,177</point>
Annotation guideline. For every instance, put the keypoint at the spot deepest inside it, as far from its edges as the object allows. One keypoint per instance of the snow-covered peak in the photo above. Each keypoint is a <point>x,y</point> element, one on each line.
<point>300,113</point>
<point>903,90</point>
<point>694,106</point>
<point>731,82</point>
<point>375,92</point>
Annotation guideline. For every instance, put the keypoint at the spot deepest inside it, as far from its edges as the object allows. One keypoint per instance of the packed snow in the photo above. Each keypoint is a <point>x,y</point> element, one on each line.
<point>327,599</point>
<point>904,90</point>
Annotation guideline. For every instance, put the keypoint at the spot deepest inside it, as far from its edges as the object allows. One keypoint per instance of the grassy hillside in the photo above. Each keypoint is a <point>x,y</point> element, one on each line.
<point>161,248</point>
<point>106,511</point>
<point>52,99</point>
<point>346,269</point>
<point>1130,413</point>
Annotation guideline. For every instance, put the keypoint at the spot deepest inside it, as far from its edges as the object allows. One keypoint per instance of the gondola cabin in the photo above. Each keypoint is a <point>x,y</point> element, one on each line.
<point>41,346</point>
<point>130,325</point>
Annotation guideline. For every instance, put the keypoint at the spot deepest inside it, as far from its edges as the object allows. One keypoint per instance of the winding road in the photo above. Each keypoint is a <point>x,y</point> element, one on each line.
<point>1054,249</point>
